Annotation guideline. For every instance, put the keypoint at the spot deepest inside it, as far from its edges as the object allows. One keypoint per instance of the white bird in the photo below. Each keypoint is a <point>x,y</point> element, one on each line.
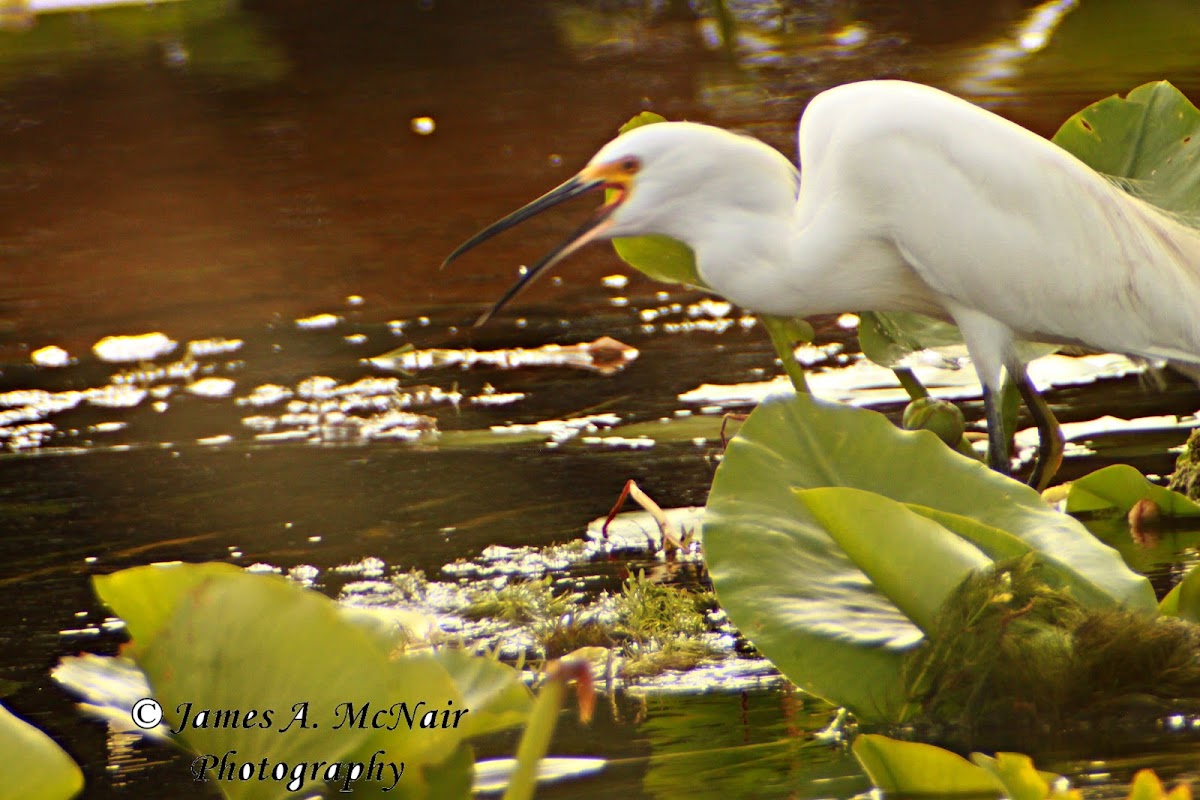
<point>912,200</point>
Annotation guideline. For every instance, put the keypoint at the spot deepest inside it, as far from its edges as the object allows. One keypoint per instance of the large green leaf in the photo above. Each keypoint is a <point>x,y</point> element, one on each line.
<point>451,779</point>
<point>797,596</point>
<point>33,766</point>
<point>239,642</point>
<point>146,597</point>
<point>914,768</point>
<point>494,692</point>
<point>1016,774</point>
<point>1001,545</point>
<point>1151,137</point>
<point>888,338</point>
<point>1119,487</point>
<point>915,562</point>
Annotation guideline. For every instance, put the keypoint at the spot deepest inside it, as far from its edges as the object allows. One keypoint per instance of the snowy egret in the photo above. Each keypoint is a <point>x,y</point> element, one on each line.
<point>912,200</point>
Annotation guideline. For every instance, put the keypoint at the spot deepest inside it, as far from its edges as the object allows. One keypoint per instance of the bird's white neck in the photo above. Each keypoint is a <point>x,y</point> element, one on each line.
<point>739,254</point>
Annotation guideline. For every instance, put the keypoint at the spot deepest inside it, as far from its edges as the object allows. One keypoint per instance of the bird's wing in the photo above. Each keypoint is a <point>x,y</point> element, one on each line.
<point>998,220</point>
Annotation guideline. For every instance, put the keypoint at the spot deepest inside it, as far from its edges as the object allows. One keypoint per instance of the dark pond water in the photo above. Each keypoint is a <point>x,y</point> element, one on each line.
<point>223,169</point>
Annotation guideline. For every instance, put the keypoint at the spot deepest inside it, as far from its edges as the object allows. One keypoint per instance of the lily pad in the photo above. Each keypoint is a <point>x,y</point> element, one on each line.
<point>34,767</point>
<point>1001,545</point>
<point>1118,488</point>
<point>913,768</point>
<point>793,591</point>
<point>1016,773</point>
<point>1150,137</point>
<point>908,557</point>
<point>1184,600</point>
<point>888,338</point>
<point>1147,786</point>
<point>146,597</point>
<point>305,683</point>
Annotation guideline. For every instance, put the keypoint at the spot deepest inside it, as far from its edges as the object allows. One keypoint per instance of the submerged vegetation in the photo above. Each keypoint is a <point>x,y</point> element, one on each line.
<point>1009,653</point>
<point>649,627</point>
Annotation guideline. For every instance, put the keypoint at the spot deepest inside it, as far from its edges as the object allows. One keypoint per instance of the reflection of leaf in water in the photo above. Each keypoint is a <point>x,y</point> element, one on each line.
<point>1151,558</point>
<point>719,748</point>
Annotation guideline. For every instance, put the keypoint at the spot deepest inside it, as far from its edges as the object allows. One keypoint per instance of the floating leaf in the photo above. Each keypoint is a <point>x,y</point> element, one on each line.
<point>146,597</point>
<point>913,768</point>
<point>306,683</point>
<point>1184,600</point>
<point>910,558</point>
<point>1000,545</point>
<point>1147,786</point>
<point>34,767</point>
<point>1118,488</point>
<point>324,681</point>
<point>1151,136</point>
<point>451,779</point>
<point>494,692</point>
<point>797,596</point>
<point>1016,773</point>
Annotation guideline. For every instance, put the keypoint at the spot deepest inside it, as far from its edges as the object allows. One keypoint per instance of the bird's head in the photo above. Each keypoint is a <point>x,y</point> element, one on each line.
<point>670,178</point>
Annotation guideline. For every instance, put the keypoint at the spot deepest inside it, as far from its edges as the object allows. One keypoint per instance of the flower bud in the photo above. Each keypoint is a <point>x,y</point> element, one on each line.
<point>939,416</point>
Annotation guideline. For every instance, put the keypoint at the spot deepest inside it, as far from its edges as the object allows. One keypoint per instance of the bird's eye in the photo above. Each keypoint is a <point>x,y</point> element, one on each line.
<point>630,165</point>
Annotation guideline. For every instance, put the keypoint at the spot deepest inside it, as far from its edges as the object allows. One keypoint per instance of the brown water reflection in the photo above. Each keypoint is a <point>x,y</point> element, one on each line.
<point>145,195</point>
<point>228,169</point>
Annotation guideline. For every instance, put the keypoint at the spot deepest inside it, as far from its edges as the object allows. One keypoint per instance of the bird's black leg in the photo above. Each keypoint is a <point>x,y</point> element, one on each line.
<point>998,441</point>
<point>1050,436</point>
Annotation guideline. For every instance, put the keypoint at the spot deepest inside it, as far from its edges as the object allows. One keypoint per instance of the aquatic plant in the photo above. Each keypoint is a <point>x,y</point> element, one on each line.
<point>307,683</point>
<point>519,602</point>
<point>34,767</point>
<point>649,610</point>
<point>1008,652</point>
<point>916,769</point>
<point>836,584</point>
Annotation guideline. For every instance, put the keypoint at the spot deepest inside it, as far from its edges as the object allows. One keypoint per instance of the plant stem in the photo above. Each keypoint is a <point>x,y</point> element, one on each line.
<point>539,728</point>
<point>785,335</point>
<point>911,383</point>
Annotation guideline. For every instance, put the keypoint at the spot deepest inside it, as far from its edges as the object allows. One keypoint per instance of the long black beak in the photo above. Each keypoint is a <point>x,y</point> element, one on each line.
<point>573,188</point>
